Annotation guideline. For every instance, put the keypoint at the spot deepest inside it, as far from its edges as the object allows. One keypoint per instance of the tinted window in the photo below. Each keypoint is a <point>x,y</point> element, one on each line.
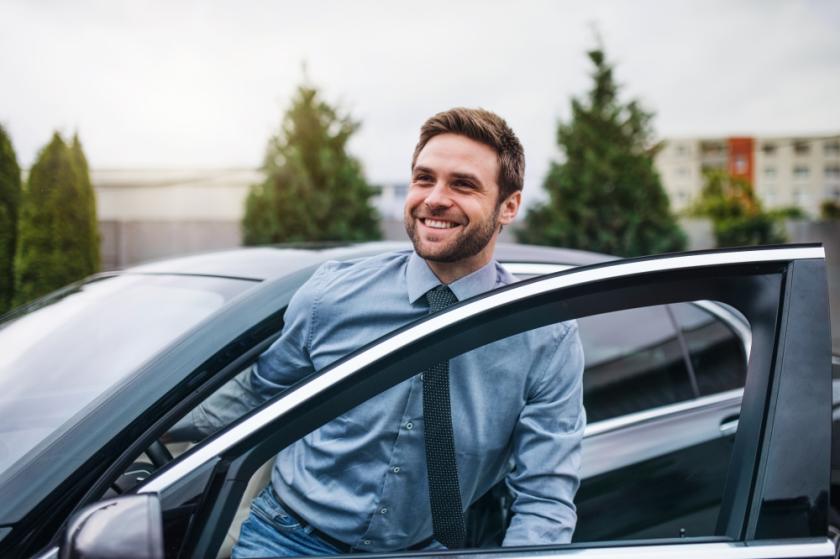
<point>716,351</point>
<point>634,362</point>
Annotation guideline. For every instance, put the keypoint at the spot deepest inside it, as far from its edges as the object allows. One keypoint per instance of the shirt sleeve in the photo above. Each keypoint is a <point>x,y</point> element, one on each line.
<point>283,364</point>
<point>547,449</point>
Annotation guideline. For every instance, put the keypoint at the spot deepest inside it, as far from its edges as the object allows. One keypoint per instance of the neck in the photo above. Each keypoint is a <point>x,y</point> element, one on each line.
<point>448,272</point>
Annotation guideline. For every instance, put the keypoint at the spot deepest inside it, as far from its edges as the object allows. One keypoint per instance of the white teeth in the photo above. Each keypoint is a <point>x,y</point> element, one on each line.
<point>439,224</point>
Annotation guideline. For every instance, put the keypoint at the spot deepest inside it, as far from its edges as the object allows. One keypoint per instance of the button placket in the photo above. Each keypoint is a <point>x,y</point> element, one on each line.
<point>381,526</point>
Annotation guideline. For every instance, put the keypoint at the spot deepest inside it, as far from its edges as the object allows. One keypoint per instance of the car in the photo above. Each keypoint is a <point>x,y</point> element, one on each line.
<point>96,373</point>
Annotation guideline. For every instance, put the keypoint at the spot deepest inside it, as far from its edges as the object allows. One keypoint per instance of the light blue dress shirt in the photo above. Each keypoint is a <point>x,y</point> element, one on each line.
<point>361,478</point>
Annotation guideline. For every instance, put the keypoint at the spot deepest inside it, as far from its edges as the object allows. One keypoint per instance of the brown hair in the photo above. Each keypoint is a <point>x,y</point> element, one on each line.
<point>487,128</point>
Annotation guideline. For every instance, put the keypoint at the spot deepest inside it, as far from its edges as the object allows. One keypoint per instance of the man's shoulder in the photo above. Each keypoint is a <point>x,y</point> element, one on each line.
<point>338,277</point>
<point>365,267</point>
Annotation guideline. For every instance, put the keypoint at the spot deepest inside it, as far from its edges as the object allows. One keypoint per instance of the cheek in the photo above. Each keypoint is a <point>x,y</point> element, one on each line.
<point>412,201</point>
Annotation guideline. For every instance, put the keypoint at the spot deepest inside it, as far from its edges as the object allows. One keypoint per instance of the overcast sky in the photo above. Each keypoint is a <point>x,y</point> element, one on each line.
<point>204,83</point>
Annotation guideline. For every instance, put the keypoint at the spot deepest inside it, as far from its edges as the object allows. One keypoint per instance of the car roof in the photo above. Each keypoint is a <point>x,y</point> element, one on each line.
<point>260,263</point>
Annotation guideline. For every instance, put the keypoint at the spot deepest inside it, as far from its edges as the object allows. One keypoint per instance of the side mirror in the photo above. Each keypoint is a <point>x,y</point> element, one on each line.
<point>128,526</point>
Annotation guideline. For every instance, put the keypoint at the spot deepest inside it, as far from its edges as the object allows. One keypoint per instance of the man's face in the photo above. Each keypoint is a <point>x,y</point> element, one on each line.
<point>452,211</point>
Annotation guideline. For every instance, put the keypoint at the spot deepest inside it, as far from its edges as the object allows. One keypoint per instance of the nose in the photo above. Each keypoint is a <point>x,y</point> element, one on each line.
<point>438,197</point>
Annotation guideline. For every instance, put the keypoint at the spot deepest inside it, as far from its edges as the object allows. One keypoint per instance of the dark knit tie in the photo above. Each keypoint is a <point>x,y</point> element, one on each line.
<point>442,470</point>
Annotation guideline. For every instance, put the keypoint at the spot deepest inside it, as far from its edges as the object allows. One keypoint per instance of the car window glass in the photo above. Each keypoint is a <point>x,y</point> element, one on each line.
<point>717,351</point>
<point>59,356</point>
<point>662,459</point>
<point>634,362</point>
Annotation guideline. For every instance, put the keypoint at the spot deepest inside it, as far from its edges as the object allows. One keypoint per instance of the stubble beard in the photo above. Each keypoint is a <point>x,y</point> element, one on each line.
<point>465,245</point>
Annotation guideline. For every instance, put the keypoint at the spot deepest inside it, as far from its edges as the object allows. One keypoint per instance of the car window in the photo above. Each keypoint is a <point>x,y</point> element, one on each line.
<point>61,354</point>
<point>634,362</point>
<point>668,466</point>
<point>717,351</point>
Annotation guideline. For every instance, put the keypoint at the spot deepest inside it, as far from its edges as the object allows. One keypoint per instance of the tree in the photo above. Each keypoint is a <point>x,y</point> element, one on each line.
<point>54,234</point>
<point>10,193</point>
<point>313,189</point>
<point>830,209</point>
<point>737,216</point>
<point>89,228</point>
<point>605,195</point>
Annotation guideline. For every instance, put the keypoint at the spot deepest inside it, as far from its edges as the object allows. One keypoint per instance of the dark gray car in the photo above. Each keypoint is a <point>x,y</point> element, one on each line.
<point>667,341</point>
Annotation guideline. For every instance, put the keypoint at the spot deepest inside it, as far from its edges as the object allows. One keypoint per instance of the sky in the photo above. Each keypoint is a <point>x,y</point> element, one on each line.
<point>180,84</point>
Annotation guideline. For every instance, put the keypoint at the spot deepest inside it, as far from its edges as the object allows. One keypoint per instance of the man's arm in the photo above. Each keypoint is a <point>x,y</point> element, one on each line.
<point>283,364</point>
<point>547,448</point>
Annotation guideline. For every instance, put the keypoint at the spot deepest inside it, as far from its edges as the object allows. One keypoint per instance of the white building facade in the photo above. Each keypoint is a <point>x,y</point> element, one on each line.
<point>800,171</point>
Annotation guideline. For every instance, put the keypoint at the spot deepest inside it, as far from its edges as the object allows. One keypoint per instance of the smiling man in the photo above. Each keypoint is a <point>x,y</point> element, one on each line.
<point>399,471</point>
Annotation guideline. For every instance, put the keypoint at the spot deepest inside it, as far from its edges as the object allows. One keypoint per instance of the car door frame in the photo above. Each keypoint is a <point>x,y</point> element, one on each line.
<point>782,292</point>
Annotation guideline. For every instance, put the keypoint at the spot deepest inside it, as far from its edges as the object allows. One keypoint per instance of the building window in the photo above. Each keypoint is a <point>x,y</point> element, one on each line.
<point>801,172</point>
<point>768,148</point>
<point>713,149</point>
<point>832,172</point>
<point>832,147</point>
<point>770,172</point>
<point>682,172</point>
<point>681,150</point>
<point>800,198</point>
<point>740,164</point>
<point>801,147</point>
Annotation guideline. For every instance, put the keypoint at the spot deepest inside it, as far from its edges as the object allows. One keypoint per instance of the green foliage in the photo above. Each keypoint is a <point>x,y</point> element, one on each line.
<point>605,195</point>
<point>10,193</point>
<point>788,212</point>
<point>89,231</point>
<point>736,213</point>
<point>57,223</point>
<point>830,209</point>
<point>313,190</point>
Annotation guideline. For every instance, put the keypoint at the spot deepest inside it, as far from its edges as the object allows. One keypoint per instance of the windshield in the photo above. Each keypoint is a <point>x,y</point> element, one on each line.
<point>57,358</point>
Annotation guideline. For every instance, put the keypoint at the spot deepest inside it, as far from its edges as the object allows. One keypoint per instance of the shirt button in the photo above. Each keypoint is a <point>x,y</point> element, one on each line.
<point>383,510</point>
<point>396,469</point>
<point>366,542</point>
<point>409,426</point>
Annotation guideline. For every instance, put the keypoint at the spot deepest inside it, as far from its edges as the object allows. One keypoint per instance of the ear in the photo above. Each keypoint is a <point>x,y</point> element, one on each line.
<point>509,208</point>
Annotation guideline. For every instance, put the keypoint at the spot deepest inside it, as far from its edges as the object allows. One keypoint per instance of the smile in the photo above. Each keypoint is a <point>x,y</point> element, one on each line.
<point>438,224</point>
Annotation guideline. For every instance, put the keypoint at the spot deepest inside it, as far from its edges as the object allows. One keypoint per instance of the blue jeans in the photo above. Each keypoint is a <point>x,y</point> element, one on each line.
<point>269,531</point>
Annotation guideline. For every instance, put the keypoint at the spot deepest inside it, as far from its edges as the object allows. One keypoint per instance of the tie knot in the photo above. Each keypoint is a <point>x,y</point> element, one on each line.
<point>440,297</point>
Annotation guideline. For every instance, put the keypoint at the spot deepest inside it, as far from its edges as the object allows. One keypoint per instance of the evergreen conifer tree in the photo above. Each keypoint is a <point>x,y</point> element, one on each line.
<point>313,189</point>
<point>10,193</point>
<point>89,232</point>
<point>54,229</point>
<point>605,195</point>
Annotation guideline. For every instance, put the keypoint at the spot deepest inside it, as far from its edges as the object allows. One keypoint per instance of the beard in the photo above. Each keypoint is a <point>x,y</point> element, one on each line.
<point>469,242</point>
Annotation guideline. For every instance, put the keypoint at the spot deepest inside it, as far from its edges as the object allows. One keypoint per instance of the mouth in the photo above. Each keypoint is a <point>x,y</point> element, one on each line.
<point>439,224</point>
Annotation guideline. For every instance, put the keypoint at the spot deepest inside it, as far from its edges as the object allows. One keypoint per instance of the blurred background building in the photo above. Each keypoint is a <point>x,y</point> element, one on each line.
<point>786,171</point>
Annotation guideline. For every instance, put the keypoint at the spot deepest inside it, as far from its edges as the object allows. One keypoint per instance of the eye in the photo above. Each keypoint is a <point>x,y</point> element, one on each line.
<point>423,178</point>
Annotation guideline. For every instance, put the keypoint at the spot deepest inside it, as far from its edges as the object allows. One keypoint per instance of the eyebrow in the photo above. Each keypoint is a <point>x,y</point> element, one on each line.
<point>469,176</point>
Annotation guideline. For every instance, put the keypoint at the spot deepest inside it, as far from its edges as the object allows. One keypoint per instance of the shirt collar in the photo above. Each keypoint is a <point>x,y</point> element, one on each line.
<point>420,279</point>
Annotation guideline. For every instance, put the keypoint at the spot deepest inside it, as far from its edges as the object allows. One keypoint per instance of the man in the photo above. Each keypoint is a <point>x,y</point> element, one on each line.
<point>398,471</point>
